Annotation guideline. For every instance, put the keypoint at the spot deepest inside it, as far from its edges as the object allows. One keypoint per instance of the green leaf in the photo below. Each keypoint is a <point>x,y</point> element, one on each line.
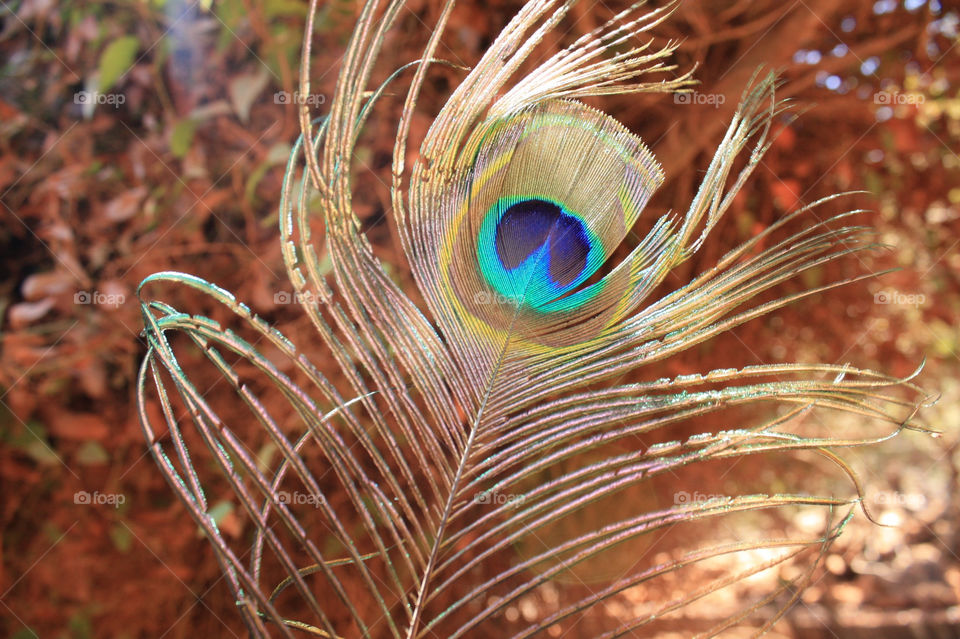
<point>80,626</point>
<point>121,537</point>
<point>266,455</point>
<point>220,510</point>
<point>277,155</point>
<point>182,137</point>
<point>116,60</point>
<point>281,8</point>
<point>244,89</point>
<point>34,442</point>
<point>92,454</point>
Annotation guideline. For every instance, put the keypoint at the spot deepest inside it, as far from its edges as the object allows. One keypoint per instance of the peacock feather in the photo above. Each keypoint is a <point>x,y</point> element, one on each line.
<point>486,447</point>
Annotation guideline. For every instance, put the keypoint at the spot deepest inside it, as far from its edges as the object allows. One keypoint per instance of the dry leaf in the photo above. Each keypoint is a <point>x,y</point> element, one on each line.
<point>125,205</point>
<point>26,313</point>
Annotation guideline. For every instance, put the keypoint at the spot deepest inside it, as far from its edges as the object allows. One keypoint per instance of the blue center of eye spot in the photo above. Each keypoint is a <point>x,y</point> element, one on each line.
<point>534,251</point>
<point>530,225</point>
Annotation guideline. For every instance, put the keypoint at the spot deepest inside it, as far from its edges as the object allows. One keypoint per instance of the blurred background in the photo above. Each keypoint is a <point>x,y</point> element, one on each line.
<point>139,136</point>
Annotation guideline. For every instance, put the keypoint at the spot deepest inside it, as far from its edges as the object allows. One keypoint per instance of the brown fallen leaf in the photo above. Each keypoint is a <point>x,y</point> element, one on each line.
<point>51,283</point>
<point>77,426</point>
<point>125,205</point>
<point>26,313</point>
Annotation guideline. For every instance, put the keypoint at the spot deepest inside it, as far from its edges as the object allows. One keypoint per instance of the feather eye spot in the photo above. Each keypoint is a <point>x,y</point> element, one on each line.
<point>523,229</point>
<point>569,248</point>
<point>533,224</point>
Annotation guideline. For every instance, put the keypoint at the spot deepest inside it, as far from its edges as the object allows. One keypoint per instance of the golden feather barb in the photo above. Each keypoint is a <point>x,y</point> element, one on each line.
<point>468,457</point>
